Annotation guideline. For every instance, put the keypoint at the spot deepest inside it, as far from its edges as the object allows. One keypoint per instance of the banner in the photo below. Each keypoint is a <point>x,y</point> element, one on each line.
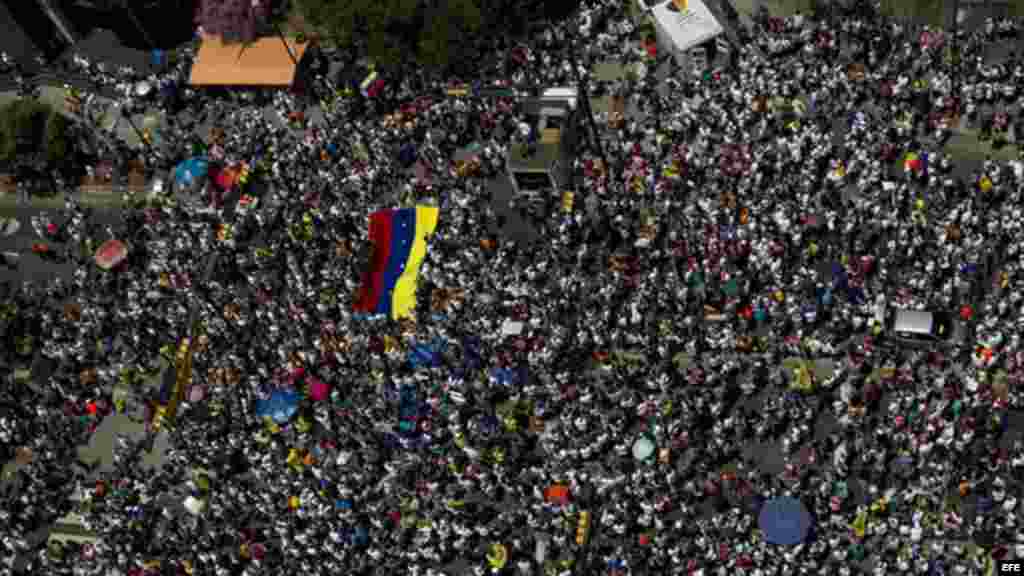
<point>399,246</point>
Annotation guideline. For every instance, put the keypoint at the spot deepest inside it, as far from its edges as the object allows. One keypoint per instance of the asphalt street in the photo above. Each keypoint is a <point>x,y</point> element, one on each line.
<point>32,267</point>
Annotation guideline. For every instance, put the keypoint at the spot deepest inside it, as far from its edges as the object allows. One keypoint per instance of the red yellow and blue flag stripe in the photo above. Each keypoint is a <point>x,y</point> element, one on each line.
<point>399,246</point>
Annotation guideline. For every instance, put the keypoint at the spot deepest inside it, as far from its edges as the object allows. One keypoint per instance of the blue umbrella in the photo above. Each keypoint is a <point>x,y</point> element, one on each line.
<point>189,170</point>
<point>407,155</point>
<point>856,296</point>
<point>168,90</point>
<point>505,376</point>
<point>426,354</point>
<point>840,279</point>
<point>784,521</point>
<point>488,424</point>
<point>281,405</point>
<point>824,295</point>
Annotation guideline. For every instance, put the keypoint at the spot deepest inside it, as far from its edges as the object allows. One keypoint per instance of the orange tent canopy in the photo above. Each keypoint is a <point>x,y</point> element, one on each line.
<point>264,62</point>
<point>557,494</point>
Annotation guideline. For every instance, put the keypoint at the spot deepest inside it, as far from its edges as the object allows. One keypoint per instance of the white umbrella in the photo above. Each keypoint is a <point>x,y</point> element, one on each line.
<point>194,506</point>
<point>143,88</point>
<point>643,448</point>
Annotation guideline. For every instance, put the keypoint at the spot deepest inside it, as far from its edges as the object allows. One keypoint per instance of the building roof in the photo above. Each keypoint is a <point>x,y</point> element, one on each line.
<point>687,23</point>
<point>265,62</point>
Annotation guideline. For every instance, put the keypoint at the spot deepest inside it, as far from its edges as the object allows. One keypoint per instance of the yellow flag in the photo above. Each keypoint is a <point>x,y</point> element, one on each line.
<point>860,525</point>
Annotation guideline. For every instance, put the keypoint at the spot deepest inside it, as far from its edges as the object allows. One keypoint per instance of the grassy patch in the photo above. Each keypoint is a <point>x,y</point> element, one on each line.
<point>9,203</point>
<point>931,12</point>
<point>965,146</point>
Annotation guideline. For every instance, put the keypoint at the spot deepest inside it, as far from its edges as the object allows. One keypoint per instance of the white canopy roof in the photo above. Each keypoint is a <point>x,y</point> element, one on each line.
<point>687,23</point>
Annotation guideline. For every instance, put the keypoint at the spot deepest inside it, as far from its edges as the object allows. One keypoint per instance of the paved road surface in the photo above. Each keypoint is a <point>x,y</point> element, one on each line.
<point>33,267</point>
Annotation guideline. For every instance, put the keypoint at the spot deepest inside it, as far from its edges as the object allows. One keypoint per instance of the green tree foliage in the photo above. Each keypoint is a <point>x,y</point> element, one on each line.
<point>389,31</point>
<point>33,135</point>
<point>56,140</point>
<point>24,128</point>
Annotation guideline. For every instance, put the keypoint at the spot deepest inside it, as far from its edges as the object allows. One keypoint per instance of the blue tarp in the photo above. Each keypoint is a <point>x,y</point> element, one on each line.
<point>281,405</point>
<point>784,521</point>
<point>506,376</point>
<point>186,172</point>
<point>426,355</point>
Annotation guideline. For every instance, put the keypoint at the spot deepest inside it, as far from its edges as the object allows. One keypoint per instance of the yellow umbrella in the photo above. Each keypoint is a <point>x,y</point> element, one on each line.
<point>497,556</point>
<point>802,379</point>
<point>567,201</point>
<point>294,459</point>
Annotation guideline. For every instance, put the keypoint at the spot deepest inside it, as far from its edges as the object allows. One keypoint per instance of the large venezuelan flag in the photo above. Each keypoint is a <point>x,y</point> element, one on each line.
<point>399,245</point>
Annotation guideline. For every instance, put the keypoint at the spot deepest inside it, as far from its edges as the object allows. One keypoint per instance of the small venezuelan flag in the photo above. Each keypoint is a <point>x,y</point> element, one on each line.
<point>399,246</point>
<point>367,84</point>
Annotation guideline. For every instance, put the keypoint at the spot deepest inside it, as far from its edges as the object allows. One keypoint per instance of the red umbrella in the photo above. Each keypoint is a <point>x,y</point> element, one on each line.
<point>319,390</point>
<point>652,49</point>
<point>111,253</point>
<point>225,178</point>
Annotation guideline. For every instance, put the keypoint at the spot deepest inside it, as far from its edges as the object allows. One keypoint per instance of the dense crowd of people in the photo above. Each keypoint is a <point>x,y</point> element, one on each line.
<point>727,241</point>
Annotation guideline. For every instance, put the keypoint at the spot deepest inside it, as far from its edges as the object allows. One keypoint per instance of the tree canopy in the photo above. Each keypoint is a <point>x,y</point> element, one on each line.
<point>429,32</point>
<point>233,20</point>
<point>23,128</point>
<point>33,133</point>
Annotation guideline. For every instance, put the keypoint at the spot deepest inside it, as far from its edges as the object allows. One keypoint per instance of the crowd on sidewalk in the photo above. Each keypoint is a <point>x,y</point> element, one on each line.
<point>734,233</point>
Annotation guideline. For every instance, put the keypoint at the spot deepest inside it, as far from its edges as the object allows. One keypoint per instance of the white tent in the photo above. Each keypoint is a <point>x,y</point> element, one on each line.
<point>682,25</point>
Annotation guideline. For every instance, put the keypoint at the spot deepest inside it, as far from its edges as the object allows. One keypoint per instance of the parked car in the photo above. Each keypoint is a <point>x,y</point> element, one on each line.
<point>921,328</point>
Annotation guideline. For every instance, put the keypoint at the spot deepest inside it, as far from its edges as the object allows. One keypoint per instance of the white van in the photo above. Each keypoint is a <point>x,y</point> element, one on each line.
<point>923,328</point>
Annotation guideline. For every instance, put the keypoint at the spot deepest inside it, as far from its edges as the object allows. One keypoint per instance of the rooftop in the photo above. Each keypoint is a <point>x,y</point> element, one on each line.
<point>264,62</point>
